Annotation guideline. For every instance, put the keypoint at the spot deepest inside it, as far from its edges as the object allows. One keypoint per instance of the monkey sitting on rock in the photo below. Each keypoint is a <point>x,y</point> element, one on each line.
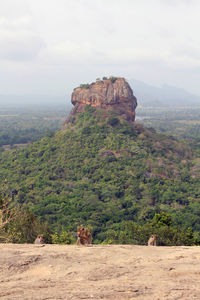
<point>39,240</point>
<point>84,236</point>
<point>152,240</point>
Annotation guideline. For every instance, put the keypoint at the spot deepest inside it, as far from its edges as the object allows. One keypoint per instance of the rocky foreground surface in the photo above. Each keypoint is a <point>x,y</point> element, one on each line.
<point>99,272</point>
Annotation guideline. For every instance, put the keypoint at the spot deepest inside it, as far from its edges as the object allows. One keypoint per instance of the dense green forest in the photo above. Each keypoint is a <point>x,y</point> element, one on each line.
<point>123,181</point>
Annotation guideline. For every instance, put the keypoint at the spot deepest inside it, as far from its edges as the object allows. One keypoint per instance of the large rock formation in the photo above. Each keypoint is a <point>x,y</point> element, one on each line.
<point>110,94</point>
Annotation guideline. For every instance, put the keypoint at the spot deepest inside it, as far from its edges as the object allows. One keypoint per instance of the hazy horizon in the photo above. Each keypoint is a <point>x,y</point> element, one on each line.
<point>49,47</point>
<point>146,95</point>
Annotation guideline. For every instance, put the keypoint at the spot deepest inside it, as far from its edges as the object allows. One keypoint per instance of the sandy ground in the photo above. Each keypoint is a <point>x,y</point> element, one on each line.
<point>99,272</point>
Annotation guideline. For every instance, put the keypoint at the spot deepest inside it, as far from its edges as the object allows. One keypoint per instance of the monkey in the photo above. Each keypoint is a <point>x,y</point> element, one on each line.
<point>152,240</point>
<point>89,236</point>
<point>81,240</point>
<point>39,240</point>
<point>84,236</point>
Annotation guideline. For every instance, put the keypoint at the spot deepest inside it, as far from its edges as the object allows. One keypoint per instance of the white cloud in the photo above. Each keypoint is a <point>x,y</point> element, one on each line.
<point>145,38</point>
<point>119,31</point>
<point>67,52</point>
<point>18,38</point>
<point>19,46</point>
<point>16,23</point>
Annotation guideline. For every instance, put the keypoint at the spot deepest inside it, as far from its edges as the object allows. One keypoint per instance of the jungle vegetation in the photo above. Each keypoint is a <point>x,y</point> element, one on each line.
<point>124,181</point>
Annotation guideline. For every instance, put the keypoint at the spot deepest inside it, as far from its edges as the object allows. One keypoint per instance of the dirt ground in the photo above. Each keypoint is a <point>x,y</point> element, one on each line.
<point>99,272</point>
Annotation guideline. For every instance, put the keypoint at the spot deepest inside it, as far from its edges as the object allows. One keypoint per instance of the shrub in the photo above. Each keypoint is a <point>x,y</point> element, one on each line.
<point>162,219</point>
<point>63,238</point>
<point>113,79</point>
<point>84,86</point>
<point>113,121</point>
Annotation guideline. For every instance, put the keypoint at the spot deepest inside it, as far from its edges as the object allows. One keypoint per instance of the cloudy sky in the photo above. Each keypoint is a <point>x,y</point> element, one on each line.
<point>50,46</point>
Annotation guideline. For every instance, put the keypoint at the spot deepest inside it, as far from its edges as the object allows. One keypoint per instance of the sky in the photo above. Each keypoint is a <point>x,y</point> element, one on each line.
<point>48,47</point>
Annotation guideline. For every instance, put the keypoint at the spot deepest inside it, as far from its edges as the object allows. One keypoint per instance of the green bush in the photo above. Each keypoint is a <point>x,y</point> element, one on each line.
<point>113,121</point>
<point>84,86</point>
<point>129,232</point>
<point>113,78</point>
<point>162,219</point>
<point>63,238</point>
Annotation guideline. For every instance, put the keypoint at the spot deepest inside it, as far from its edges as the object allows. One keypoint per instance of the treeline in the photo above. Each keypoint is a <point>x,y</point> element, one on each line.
<point>28,124</point>
<point>129,232</point>
<point>23,136</point>
<point>19,225</point>
<point>180,122</point>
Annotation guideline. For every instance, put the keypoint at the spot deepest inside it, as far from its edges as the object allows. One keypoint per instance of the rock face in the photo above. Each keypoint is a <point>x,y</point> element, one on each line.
<point>110,94</point>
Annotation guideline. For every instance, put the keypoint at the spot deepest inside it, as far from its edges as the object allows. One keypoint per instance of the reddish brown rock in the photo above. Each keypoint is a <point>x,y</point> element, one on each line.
<point>107,94</point>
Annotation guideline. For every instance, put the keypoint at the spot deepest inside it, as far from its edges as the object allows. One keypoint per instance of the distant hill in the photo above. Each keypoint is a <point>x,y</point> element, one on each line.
<point>166,95</point>
<point>102,170</point>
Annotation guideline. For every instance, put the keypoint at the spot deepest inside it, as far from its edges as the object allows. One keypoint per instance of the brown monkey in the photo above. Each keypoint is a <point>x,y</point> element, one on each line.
<point>39,240</point>
<point>84,236</point>
<point>152,240</point>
